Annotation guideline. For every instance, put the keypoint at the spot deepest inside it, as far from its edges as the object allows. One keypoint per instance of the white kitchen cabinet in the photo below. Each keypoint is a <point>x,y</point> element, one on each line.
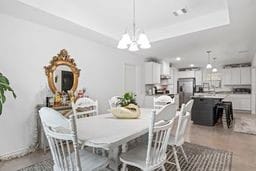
<point>172,87</point>
<point>240,101</point>
<point>165,68</point>
<point>186,74</point>
<point>235,76</point>
<point>246,75</point>
<point>226,76</point>
<point>198,77</point>
<point>152,73</point>
<point>149,102</point>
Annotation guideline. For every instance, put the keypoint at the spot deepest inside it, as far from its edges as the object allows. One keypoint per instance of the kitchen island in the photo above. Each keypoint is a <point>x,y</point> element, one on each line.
<point>204,109</point>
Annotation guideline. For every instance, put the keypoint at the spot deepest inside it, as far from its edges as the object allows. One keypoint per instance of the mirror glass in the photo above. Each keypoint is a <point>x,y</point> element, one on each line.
<point>63,78</point>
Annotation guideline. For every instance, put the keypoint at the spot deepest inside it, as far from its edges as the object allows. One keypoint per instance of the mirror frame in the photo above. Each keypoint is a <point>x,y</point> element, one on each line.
<point>63,58</point>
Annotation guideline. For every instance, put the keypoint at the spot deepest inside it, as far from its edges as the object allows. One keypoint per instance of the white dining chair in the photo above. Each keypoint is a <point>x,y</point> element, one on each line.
<point>178,139</point>
<point>113,101</point>
<point>162,100</point>
<point>64,145</point>
<point>152,155</point>
<point>85,106</point>
<point>189,105</point>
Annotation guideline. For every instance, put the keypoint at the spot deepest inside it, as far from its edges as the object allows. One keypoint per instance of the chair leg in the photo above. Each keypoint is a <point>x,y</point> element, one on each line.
<point>176,158</point>
<point>184,154</point>
<point>124,167</point>
<point>163,168</point>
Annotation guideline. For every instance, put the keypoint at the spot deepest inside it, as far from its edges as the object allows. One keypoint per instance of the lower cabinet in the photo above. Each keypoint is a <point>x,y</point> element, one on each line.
<point>240,101</point>
<point>149,102</point>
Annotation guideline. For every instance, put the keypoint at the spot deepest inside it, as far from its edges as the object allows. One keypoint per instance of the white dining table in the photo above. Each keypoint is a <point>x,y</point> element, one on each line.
<point>107,132</point>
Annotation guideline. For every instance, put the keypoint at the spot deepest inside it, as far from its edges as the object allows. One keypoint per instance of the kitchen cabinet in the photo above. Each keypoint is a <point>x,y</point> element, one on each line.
<point>236,76</point>
<point>172,87</point>
<point>246,75</point>
<point>165,68</point>
<point>186,74</point>
<point>149,102</point>
<point>152,73</point>
<point>240,101</point>
<point>198,77</point>
<point>226,76</point>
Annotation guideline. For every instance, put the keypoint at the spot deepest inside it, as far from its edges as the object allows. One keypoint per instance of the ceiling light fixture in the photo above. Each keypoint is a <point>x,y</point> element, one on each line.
<point>214,68</point>
<point>192,65</point>
<point>209,65</point>
<point>180,12</point>
<point>138,38</point>
<point>178,59</point>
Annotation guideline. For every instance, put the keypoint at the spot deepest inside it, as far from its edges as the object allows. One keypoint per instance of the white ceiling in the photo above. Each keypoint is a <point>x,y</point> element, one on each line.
<point>225,27</point>
<point>112,17</point>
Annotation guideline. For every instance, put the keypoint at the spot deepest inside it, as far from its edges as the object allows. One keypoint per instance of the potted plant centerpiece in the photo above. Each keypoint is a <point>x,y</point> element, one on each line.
<point>127,107</point>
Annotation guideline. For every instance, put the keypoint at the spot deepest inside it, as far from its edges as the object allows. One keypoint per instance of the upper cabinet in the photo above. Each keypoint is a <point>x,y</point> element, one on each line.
<point>226,76</point>
<point>186,74</point>
<point>237,76</point>
<point>152,73</point>
<point>165,68</point>
<point>246,75</point>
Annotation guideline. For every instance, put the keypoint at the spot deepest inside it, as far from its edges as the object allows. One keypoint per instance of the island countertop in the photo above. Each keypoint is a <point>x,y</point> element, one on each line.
<point>209,96</point>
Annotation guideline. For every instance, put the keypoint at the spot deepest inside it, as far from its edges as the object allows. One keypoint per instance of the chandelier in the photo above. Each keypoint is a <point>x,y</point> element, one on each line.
<point>136,39</point>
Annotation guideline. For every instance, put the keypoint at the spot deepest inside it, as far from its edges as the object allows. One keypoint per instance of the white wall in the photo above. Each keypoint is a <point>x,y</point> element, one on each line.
<point>25,48</point>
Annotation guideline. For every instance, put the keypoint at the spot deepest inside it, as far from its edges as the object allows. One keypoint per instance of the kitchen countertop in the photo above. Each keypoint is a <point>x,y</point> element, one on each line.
<point>159,94</point>
<point>211,96</point>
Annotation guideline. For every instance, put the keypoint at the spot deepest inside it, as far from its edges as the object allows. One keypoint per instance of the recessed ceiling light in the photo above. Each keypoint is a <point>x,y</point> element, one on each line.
<point>180,12</point>
<point>178,59</point>
<point>191,65</point>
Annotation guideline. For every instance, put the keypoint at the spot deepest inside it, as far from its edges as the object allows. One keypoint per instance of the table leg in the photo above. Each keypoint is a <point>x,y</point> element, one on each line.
<point>114,158</point>
<point>124,149</point>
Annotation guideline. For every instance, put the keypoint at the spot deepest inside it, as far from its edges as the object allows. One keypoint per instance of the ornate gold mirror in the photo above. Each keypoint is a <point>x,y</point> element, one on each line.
<point>62,73</point>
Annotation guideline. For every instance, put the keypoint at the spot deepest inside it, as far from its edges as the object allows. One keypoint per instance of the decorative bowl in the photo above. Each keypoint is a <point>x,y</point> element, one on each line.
<point>128,112</point>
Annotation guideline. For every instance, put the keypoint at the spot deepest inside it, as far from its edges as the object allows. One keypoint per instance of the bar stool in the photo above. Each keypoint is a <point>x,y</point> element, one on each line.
<point>224,111</point>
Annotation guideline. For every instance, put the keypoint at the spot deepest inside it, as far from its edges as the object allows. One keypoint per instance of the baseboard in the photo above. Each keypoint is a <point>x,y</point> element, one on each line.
<point>16,154</point>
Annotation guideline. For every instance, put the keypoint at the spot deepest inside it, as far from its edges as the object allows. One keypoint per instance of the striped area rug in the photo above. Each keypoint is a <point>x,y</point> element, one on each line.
<point>200,158</point>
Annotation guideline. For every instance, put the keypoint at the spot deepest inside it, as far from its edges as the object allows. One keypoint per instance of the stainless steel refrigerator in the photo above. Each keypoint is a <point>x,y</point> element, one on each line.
<point>186,89</point>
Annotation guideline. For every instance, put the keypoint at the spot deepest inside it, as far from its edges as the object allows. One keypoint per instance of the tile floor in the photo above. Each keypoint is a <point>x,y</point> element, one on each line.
<point>243,147</point>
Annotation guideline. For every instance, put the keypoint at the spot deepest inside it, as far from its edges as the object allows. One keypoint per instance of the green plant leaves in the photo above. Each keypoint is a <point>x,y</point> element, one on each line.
<point>4,86</point>
<point>127,98</point>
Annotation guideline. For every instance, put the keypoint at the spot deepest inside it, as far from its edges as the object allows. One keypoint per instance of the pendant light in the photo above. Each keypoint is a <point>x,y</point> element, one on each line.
<point>138,38</point>
<point>214,68</point>
<point>209,65</point>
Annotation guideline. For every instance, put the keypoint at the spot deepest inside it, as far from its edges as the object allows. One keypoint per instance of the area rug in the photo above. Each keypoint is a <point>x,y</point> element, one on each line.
<point>245,124</point>
<point>200,158</point>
